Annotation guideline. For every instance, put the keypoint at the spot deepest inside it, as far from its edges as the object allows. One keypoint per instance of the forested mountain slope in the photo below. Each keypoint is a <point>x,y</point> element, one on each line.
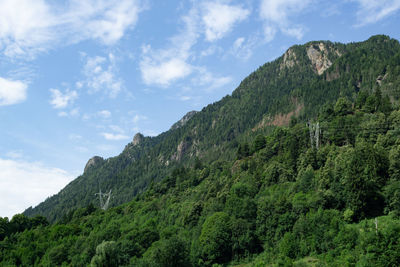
<point>306,79</point>
<point>308,174</point>
<point>322,194</point>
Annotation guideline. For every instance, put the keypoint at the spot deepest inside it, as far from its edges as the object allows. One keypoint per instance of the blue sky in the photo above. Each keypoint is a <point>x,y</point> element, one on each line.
<point>80,78</point>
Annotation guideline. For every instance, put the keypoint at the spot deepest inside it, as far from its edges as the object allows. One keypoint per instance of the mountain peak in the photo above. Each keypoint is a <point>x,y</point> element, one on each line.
<point>137,139</point>
<point>94,161</point>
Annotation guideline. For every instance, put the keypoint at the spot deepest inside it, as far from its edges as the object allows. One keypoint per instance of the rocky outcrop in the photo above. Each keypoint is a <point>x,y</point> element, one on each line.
<point>289,59</point>
<point>318,57</point>
<point>184,120</point>
<point>137,139</point>
<point>93,162</point>
<point>182,148</point>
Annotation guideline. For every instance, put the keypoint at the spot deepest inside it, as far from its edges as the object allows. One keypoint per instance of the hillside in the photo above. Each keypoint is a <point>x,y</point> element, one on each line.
<point>315,184</point>
<point>297,84</point>
<point>323,194</point>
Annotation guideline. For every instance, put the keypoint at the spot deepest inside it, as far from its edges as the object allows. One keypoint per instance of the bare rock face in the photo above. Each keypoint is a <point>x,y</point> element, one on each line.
<point>181,150</point>
<point>95,161</point>
<point>289,59</point>
<point>184,120</point>
<point>137,139</point>
<point>318,56</point>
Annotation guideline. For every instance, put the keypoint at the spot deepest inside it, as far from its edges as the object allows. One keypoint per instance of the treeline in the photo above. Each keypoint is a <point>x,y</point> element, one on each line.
<point>330,198</point>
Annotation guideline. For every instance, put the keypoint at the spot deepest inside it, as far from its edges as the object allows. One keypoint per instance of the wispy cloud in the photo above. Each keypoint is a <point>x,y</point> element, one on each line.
<point>219,19</point>
<point>277,16</point>
<point>213,20</point>
<point>71,113</point>
<point>24,184</point>
<point>103,20</point>
<point>105,114</point>
<point>372,11</point>
<point>114,137</point>
<point>138,118</point>
<point>243,48</point>
<point>30,27</point>
<point>164,66</point>
<point>15,154</point>
<point>101,73</point>
<point>60,100</point>
<point>12,91</point>
<point>209,81</point>
<point>165,72</point>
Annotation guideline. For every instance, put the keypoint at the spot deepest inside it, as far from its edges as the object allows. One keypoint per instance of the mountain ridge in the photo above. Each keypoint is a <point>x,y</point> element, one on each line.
<point>284,86</point>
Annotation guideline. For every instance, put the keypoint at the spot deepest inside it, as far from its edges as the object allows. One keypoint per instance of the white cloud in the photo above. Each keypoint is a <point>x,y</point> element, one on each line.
<point>25,26</point>
<point>28,27</point>
<point>164,66</point>
<point>165,72</point>
<point>104,114</point>
<point>209,81</point>
<point>63,114</point>
<point>103,20</point>
<point>211,51</point>
<point>269,33</point>
<point>15,154</point>
<point>114,137</point>
<point>12,92</point>
<point>296,31</point>
<point>24,184</point>
<point>61,100</point>
<point>138,118</point>
<point>72,113</point>
<point>372,11</point>
<point>116,128</point>
<point>277,15</point>
<point>101,73</point>
<point>219,19</point>
<point>185,98</point>
<point>238,43</point>
<point>243,48</point>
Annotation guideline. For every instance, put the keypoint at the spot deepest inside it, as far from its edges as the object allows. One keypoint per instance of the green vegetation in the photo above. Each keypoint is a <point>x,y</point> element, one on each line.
<point>324,190</point>
<point>284,203</point>
<point>215,132</point>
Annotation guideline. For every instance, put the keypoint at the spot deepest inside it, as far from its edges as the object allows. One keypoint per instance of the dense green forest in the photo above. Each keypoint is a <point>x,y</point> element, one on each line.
<point>301,195</point>
<point>300,166</point>
<point>291,85</point>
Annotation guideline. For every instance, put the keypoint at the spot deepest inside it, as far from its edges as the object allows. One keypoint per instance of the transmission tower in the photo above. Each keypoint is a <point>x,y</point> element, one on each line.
<point>104,196</point>
<point>315,132</point>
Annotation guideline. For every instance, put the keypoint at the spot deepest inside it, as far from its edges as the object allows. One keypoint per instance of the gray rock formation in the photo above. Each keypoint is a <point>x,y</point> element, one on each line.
<point>137,139</point>
<point>289,59</point>
<point>318,56</point>
<point>184,120</point>
<point>182,148</point>
<point>93,162</point>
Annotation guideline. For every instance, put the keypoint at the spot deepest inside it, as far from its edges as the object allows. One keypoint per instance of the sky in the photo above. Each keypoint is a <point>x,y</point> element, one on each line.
<point>80,78</point>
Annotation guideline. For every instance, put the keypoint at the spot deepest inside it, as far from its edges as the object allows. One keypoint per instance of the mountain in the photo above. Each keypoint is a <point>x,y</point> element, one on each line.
<point>314,182</point>
<point>295,86</point>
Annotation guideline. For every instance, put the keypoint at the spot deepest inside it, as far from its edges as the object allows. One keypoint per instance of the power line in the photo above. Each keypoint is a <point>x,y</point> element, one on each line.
<point>102,197</point>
